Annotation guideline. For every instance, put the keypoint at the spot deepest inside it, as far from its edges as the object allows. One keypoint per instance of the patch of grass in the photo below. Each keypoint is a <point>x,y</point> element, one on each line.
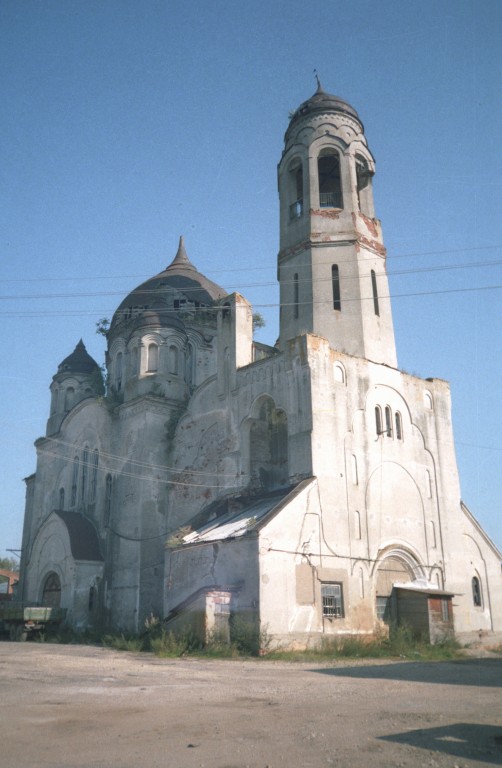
<point>247,639</point>
<point>400,643</point>
<point>124,642</point>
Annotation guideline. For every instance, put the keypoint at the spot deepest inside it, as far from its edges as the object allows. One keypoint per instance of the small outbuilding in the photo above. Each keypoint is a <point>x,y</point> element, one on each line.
<point>428,612</point>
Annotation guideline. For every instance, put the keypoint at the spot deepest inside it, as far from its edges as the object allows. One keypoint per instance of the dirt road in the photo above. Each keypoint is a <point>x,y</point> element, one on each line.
<point>68,706</point>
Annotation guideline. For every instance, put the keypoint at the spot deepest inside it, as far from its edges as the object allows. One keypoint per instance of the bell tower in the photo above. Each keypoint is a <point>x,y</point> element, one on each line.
<point>331,263</point>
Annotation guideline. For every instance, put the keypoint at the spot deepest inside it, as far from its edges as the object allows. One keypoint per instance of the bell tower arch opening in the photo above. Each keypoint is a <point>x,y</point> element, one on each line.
<point>330,183</point>
<point>268,445</point>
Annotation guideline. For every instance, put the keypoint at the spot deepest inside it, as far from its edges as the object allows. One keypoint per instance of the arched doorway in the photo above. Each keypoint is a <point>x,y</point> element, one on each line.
<point>268,446</point>
<point>51,593</point>
<point>392,569</point>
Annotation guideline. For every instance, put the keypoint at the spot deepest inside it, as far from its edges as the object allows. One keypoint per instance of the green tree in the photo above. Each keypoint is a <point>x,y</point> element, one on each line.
<point>9,564</point>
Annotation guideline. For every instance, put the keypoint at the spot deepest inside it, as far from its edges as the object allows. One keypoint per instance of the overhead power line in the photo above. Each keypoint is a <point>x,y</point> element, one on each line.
<point>94,312</point>
<point>224,270</point>
<point>154,291</point>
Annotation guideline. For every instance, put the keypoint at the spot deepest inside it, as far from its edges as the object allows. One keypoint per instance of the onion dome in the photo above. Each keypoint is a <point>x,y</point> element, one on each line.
<point>159,300</point>
<point>79,361</point>
<point>321,102</point>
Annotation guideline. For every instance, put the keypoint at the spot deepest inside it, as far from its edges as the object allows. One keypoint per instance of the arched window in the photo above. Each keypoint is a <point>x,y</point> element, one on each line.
<point>61,498</point>
<point>296,182</point>
<point>135,361</point>
<point>69,398</point>
<point>433,534</point>
<point>399,426</point>
<point>51,593</point>
<point>85,472</point>
<point>268,446</point>
<point>363,176</point>
<point>357,525</point>
<point>335,282</point>
<point>476,592</point>
<point>330,186</point>
<point>378,420</point>
<point>173,359</point>
<point>428,400</point>
<point>296,296</point>
<point>428,484</point>
<point>74,481</point>
<point>388,421</point>
<point>118,371</point>
<point>374,289</point>
<point>92,598</point>
<point>94,475</point>
<point>152,363</point>
<point>108,500</point>
<point>339,373</point>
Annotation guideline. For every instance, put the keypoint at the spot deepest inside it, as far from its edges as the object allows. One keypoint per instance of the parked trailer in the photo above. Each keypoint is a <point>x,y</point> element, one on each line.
<point>22,620</point>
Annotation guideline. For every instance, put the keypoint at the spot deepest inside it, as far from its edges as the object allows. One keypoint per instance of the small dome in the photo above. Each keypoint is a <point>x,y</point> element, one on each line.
<point>320,102</point>
<point>79,361</point>
<point>157,301</point>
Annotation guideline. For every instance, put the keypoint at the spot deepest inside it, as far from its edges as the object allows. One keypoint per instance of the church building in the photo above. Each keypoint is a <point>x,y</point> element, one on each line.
<point>310,488</point>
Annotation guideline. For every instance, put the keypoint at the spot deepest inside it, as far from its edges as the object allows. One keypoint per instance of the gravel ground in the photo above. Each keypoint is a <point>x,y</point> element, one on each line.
<point>66,706</point>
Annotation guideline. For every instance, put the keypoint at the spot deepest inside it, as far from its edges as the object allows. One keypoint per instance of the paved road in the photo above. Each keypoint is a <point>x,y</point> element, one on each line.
<point>69,706</point>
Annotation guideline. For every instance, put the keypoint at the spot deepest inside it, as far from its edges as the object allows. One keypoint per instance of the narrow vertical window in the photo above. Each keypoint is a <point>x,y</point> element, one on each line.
<point>374,289</point>
<point>118,371</point>
<point>74,481</point>
<point>363,176</point>
<point>69,398</point>
<point>85,472</point>
<point>94,475</point>
<point>433,535</point>
<point>399,426</point>
<point>296,299</point>
<point>357,525</point>
<point>173,359</point>
<point>330,185</point>
<point>476,592</point>
<point>108,500</point>
<point>190,364</point>
<point>428,484</point>
<point>355,478</point>
<point>296,207</point>
<point>388,421</point>
<point>378,420</point>
<point>135,358</point>
<point>335,281</point>
<point>152,358</point>
<point>61,498</point>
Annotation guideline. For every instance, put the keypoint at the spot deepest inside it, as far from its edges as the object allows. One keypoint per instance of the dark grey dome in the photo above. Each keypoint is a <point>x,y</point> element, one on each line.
<point>79,361</point>
<point>159,299</point>
<point>320,102</point>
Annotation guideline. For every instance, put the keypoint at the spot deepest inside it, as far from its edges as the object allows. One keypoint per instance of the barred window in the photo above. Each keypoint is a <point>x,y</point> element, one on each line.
<point>332,600</point>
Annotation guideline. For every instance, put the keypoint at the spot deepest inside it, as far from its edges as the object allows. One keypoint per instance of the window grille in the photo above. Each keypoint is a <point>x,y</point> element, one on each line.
<point>332,601</point>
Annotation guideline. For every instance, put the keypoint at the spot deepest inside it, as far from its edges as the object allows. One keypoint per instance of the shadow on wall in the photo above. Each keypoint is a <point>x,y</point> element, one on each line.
<point>469,741</point>
<point>476,672</point>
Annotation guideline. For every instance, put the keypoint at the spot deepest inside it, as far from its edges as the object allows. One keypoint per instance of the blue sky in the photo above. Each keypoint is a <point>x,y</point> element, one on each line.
<point>128,123</point>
